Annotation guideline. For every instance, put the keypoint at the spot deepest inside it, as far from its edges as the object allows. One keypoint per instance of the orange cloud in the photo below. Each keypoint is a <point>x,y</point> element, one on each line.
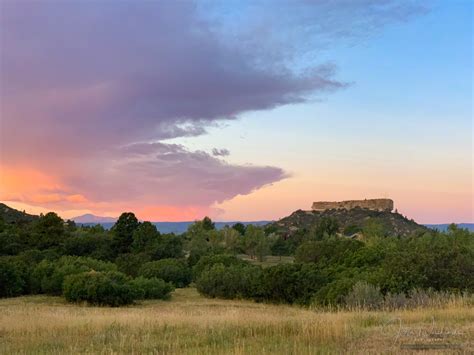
<point>32,186</point>
<point>77,198</point>
<point>21,180</point>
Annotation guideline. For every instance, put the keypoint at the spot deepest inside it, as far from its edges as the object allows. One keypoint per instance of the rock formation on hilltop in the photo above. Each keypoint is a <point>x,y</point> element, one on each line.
<point>376,204</point>
<point>351,217</point>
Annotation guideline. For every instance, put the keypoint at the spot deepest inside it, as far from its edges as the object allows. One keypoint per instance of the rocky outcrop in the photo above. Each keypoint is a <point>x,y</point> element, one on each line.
<point>349,221</point>
<point>377,204</point>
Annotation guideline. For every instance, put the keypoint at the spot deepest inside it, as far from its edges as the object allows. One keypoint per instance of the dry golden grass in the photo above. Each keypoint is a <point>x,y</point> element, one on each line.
<point>191,324</point>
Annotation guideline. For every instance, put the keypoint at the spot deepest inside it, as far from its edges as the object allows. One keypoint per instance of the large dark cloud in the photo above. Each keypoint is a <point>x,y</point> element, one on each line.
<point>170,174</point>
<point>81,80</point>
<point>131,70</point>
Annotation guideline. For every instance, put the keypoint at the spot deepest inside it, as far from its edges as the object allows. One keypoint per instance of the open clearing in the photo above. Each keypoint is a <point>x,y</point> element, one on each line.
<point>191,324</point>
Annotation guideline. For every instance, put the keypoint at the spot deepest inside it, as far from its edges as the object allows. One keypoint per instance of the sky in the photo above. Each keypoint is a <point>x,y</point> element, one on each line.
<point>240,110</point>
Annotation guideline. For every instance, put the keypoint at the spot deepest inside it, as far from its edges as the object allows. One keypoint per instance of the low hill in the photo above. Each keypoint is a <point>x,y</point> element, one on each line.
<point>163,227</point>
<point>353,219</point>
<point>395,223</point>
<point>444,226</point>
<point>11,215</point>
<point>176,227</point>
<point>93,219</point>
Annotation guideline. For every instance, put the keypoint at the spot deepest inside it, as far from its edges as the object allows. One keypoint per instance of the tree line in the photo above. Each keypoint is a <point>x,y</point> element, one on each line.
<point>134,261</point>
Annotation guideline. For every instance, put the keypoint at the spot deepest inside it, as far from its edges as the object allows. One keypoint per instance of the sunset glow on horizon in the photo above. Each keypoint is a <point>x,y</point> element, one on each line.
<point>236,110</point>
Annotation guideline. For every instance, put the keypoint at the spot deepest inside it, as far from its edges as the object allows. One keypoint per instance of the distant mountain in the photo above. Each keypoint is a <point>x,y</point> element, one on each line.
<point>11,215</point>
<point>354,219</point>
<point>178,227</point>
<point>92,219</point>
<point>444,227</point>
<point>297,220</point>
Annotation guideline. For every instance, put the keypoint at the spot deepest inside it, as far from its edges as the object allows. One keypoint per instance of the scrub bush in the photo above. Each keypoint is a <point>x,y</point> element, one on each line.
<point>100,288</point>
<point>151,288</point>
<point>170,270</point>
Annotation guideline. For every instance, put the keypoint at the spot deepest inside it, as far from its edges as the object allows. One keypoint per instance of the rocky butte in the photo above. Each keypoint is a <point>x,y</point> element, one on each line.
<point>376,204</point>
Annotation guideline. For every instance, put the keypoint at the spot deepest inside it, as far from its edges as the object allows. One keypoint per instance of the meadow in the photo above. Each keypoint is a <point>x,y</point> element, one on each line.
<point>191,324</point>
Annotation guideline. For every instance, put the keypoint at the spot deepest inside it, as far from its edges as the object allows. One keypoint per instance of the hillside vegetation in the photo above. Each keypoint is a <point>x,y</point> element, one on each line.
<point>11,215</point>
<point>355,220</point>
<point>312,267</point>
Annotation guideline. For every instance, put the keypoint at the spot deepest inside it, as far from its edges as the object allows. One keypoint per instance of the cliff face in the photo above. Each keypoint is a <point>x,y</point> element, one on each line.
<point>378,204</point>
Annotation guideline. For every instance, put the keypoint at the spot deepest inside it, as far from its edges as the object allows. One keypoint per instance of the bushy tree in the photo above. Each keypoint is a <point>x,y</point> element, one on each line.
<point>208,261</point>
<point>144,237</point>
<point>198,248</point>
<point>123,231</point>
<point>208,224</point>
<point>281,283</point>
<point>233,281</point>
<point>328,250</point>
<point>279,247</point>
<point>100,288</point>
<point>11,242</point>
<point>255,243</point>
<point>438,261</point>
<point>130,263</point>
<point>326,227</point>
<point>47,231</point>
<point>96,246</point>
<point>239,227</point>
<point>230,239</point>
<point>334,293</point>
<point>170,270</point>
<point>27,261</point>
<point>48,276</point>
<point>12,282</point>
<point>151,288</point>
<point>166,246</point>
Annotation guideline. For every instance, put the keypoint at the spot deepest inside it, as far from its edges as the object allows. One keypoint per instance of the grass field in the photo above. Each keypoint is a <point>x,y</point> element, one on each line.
<point>191,324</point>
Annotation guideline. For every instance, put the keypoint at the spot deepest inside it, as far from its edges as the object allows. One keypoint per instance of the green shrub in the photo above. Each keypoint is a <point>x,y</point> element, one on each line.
<point>234,281</point>
<point>41,277</point>
<point>327,251</point>
<point>167,246</point>
<point>281,283</point>
<point>23,264</point>
<point>152,288</point>
<point>207,262</point>
<point>100,288</point>
<point>11,243</point>
<point>284,283</point>
<point>311,279</point>
<point>47,231</point>
<point>130,264</point>
<point>11,281</point>
<point>97,246</point>
<point>48,276</point>
<point>170,270</point>
<point>333,293</point>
